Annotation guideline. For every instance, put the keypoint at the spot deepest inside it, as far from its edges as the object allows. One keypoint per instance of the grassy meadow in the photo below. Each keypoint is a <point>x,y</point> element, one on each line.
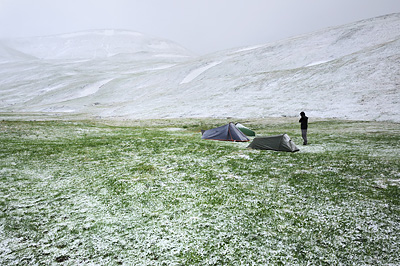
<point>152,192</point>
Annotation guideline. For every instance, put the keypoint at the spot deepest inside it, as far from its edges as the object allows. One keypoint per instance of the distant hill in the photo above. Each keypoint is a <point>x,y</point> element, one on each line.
<point>350,71</point>
<point>94,44</point>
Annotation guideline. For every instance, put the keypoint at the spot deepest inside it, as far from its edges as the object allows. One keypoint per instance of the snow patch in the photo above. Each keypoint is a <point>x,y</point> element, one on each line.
<point>318,63</point>
<point>249,48</point>
<point>197,72</point>
<point>91,89</point>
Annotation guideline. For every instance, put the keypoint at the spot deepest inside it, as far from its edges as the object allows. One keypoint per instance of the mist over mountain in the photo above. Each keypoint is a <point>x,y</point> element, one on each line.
<point>350,71</point>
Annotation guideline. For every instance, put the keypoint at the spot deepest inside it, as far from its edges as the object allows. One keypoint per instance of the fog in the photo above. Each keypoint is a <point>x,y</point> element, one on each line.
<point>201,26</point>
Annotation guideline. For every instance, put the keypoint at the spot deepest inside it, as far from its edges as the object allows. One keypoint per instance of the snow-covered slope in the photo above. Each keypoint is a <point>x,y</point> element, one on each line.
<point>351,71</point>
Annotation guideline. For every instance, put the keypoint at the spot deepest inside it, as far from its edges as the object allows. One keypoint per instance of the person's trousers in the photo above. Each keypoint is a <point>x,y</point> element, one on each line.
<point>304,135</point>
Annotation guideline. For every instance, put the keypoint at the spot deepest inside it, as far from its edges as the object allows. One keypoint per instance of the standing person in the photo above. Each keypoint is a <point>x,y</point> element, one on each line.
<point>304,125</point>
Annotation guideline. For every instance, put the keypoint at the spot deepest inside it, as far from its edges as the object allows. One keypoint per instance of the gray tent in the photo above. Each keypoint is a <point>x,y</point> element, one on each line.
<point>227,132</point>
<point>276,143</point>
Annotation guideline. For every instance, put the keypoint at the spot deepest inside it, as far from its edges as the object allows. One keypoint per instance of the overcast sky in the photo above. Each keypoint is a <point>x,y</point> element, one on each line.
<point>202,26</point>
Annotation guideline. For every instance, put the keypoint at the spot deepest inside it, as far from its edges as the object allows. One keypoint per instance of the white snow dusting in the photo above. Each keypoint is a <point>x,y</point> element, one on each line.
<point>348,72</point>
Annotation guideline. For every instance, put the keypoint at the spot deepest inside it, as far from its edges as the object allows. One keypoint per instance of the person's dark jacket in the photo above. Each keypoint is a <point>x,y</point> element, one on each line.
<point>304,122</point>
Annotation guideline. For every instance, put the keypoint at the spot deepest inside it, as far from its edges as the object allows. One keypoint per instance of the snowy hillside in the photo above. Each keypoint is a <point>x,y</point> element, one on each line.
<point>351,71</point>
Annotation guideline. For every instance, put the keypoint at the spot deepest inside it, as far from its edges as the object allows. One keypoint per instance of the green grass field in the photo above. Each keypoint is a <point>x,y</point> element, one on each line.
<point>153,193</point>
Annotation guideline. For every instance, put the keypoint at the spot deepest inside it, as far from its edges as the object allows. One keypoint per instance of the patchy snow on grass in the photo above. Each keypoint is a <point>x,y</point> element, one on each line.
<point>85,192</point>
